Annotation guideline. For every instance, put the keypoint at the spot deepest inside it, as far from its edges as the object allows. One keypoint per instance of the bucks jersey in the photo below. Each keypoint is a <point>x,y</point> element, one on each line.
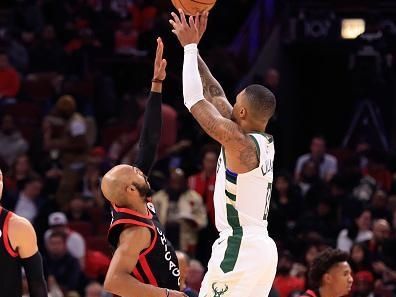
<point>244,258</point>
<point>243,199</point>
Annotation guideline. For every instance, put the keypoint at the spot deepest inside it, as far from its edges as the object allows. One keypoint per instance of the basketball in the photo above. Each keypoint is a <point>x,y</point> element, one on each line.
<point>192,7</point>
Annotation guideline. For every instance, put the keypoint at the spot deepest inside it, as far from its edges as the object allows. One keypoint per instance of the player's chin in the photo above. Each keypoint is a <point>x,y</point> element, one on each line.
<point>348,289</point>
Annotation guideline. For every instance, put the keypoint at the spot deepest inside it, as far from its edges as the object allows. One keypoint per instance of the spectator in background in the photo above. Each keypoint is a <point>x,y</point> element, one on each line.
<point>377,243</point>
<point>82,50</point>
<point>90,186</point>
<point>75,243</point>
<point>126,39</point>
<point>96,265</point>
<point>10,81</point>
<point>28,201</point>
<point>312,188</point>
<point>204,183</point>
<point>327,163</point>
<point>300,270</point>
<point>364,285</point>
<point>360,259</point>
<point>271,79</point>
<point>20,171</point>
<point>67,135</point>
<point>16,52</point>
<point>359,231</point>
<point>195,275</point>
<point>379,206</point>
<point>122,149</point>
<point>181,211</point>
<point>286,203</point>
<point>284,283</point>
<point>60,264</point>
<point>320,222</point>
<point>184,263</point>
<point>77,211</point>
<point>377,169</point>
<point>143,13</point>
<point>12,143</point>
<point>28,39</point>
<point>47,55</point>
<point>169,130</point>
<point>121,7</point>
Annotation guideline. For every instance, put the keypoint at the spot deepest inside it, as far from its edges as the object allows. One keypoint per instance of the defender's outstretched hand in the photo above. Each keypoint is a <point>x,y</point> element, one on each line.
<point>159,62</point>
<point>186,32</point>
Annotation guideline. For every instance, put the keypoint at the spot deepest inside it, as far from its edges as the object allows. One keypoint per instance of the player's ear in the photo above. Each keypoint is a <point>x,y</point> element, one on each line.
<point>130,189</point>
<point>243,113</point>
<point>327,278</point>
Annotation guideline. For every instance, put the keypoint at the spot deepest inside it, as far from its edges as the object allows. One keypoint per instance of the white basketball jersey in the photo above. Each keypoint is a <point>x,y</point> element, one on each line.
<point>243,199</point>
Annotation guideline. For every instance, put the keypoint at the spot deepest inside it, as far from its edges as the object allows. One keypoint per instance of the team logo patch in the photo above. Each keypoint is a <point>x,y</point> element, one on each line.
<point>151,206</point>
<point>219,289</point>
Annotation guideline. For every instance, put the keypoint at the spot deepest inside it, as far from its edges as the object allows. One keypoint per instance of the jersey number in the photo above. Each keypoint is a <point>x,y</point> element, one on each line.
<point>267,201</point>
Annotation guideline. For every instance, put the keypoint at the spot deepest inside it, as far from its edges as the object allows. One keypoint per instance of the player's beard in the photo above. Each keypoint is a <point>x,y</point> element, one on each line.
<point>144,190</point>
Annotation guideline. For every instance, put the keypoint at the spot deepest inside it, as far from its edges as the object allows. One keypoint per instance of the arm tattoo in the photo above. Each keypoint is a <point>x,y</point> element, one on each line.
<point>229,134</point>
<point>248,157</point>
<point>213,91</point>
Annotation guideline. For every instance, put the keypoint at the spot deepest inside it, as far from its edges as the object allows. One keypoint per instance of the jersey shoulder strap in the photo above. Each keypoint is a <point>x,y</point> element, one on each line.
<point>122,217</point>
<point>264,145</point>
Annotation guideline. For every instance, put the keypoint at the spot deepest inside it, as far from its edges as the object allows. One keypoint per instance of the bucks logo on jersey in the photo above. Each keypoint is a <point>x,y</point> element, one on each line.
<point>219,290</point>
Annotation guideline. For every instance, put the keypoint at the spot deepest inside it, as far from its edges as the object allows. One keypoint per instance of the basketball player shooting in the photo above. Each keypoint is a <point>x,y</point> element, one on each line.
<point>244,257</point>
<point>144,262</point>
<point>18,248</point>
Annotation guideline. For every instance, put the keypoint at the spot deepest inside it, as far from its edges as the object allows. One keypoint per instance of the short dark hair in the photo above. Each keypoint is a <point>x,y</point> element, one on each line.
<point>323,263</point>
<point>261,99</point>
<point>58,234</point>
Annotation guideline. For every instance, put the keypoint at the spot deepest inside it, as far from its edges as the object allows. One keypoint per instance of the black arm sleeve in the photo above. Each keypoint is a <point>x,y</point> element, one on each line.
<point>150,134</point>
<point>35,276</point>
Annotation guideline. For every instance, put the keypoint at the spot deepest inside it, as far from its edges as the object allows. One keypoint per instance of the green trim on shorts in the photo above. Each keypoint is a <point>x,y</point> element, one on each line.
<point>233,241</point>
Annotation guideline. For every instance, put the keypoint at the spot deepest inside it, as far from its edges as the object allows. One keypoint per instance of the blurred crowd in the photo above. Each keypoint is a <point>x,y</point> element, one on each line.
<point>73,88</point>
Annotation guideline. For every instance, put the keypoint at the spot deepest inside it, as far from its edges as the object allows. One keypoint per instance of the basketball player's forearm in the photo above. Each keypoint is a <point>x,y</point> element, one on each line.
<point>35,276</point>
<point>210,119</point>
<point>213,91</point>
<point>128,286</point>
<point>212,122</point>
<point>151,132</point>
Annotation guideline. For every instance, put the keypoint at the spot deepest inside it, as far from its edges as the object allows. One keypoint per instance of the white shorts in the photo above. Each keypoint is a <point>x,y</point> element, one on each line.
<point>241,265</point>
